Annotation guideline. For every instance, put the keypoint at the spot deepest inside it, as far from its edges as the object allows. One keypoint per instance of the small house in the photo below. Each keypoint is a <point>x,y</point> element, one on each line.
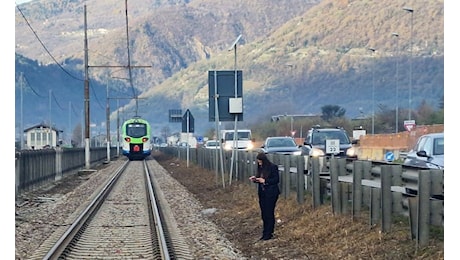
<point>41,136</point>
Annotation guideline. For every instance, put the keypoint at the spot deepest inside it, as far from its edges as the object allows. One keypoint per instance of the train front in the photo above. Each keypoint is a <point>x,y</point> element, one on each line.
<point>136,139</point>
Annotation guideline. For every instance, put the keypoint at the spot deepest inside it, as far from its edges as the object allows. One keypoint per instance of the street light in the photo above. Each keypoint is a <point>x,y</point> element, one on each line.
<point>411,11</point>
<point>373,89</point>
<point>396,35</point>
<point>291,97</point>
<point>233,47</point>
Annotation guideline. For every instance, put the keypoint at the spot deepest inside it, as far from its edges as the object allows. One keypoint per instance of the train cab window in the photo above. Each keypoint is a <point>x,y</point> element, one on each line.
<point>136,130</point>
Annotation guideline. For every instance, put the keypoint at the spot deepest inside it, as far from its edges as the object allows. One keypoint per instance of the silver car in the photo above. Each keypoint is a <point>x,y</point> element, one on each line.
<point>212,144</point>
<point>428,152</point>
<point>281,145</point>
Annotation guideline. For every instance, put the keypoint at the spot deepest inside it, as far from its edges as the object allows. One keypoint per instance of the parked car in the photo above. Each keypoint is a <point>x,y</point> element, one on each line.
<point>281,145</point>
<point>428,152</point>
<point>212,144</point>
<point>315,142</point>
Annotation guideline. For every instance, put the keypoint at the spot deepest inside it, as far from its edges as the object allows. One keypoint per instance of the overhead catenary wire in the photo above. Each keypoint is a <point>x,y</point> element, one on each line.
<point>30,86</point>
<point>55,61</point>
<point>44,47</point>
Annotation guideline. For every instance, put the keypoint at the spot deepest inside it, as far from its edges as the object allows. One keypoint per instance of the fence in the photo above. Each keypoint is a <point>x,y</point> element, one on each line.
<point>35,168</point>
<point>384,189</point>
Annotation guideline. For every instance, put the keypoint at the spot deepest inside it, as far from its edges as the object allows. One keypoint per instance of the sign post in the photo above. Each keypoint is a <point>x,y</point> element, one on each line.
<point>188,126</point>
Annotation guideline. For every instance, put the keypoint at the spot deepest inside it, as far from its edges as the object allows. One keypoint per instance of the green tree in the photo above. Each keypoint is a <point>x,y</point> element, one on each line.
<point>330,112</point>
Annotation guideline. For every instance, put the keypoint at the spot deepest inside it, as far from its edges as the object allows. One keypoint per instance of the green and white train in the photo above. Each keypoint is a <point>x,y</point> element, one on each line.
<point>136,134</point>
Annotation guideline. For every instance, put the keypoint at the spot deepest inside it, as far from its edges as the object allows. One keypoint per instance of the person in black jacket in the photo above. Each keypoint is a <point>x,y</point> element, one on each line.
<point>267,177</point>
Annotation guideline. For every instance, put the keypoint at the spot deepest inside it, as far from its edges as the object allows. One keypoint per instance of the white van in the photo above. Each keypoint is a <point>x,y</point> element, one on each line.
<point>243,140</point>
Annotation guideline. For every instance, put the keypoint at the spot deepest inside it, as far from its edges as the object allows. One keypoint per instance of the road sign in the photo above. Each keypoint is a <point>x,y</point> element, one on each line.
<point>409,125</point>
<point>175,115</point>
<point>332,146</point>
<point>222,94</point>
<point>389,156</point>
<point>188,122</point>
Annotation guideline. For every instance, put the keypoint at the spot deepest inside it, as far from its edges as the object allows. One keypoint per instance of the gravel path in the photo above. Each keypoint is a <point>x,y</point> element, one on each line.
<point>40,213</point>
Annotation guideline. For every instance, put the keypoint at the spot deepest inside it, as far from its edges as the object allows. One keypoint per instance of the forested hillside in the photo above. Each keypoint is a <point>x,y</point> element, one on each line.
<point>296,56</point>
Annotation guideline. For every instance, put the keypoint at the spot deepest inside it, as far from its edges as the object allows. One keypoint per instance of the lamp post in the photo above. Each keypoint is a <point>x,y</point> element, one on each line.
<point>396,35</point>
<point>234,153</point>
<point>373,90</point>
<point>291,97</point>
<point>411,11</point>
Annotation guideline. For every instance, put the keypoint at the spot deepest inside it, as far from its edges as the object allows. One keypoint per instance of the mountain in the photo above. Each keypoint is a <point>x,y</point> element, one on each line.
<point>296,56</point>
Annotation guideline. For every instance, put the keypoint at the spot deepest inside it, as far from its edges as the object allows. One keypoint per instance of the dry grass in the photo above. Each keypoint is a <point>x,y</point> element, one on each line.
<point>301,231</point>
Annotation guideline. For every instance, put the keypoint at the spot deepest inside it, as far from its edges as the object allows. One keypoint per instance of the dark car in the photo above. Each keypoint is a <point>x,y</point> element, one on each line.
<point>428,152</point>
<point>281,145</point>
<point>315,142</point>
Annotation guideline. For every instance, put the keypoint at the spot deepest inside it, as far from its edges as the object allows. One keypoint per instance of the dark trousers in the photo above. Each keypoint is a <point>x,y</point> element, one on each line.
<point>267,203</point>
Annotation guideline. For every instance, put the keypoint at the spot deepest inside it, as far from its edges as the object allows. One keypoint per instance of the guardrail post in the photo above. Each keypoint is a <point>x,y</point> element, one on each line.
<point>307,170</point>
<point>385,187</point>
<point>316,191</point>
<point>287,176</point>
<point>375,206</point>
<point>437,193</point>
<point>344,187</point>
<point>366,191</point>
<point>396,171</point>
<point>423,212</point>
<point>356,202</point>
<point>335,190</point>
<point>300,180</point>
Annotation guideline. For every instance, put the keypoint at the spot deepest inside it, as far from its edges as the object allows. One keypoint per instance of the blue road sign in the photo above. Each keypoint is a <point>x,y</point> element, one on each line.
<point>389,156</point>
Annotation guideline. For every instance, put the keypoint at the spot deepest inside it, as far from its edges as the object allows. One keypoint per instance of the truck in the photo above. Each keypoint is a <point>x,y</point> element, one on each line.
<point>244,140</point>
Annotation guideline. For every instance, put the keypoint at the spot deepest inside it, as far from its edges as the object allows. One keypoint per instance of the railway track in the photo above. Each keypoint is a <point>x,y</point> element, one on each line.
<point>125,220</point>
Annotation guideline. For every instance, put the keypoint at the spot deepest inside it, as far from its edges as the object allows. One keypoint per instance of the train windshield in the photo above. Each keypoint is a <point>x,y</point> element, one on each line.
<point>136,130</point>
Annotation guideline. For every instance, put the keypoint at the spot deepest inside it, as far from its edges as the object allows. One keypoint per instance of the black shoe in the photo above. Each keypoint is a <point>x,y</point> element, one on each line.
<point>267,237</point>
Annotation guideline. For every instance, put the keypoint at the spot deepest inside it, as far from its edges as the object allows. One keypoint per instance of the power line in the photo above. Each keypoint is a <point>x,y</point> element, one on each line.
<point>43,45</point>
<point>33,90</point>
<point>57,103</point>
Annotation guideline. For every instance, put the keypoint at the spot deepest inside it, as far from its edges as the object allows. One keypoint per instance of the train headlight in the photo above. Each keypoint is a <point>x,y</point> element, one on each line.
<point>250,146</point>
<point>127,139</point>
<point>297,153</point>
<point>145,139</point>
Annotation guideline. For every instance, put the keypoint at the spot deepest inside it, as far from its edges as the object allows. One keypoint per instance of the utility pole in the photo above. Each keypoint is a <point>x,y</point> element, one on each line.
<point>86,86</point>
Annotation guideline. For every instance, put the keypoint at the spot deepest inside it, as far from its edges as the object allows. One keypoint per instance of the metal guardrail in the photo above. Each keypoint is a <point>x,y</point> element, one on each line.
<point>383,188</point>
